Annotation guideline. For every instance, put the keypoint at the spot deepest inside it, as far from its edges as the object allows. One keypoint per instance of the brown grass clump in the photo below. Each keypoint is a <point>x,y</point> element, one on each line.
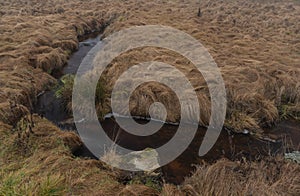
<point>11,113</point>
<point>54,59</point>
<point>273,177</point>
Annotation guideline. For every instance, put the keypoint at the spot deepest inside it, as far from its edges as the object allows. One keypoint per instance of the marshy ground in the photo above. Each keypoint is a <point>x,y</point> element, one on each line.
<point>256,45</point>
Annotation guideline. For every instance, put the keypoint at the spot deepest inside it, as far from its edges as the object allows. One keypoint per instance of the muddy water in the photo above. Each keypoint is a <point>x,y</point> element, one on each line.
<point>285,136</point>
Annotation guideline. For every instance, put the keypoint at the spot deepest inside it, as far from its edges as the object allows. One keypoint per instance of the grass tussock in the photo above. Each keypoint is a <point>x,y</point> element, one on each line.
<point>55,59</point>
<point>269,177</point>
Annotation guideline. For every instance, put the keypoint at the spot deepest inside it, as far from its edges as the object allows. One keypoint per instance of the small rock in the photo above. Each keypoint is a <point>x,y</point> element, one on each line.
<point>145,160</point>
<point>293,156</point>
<point>246,132</point>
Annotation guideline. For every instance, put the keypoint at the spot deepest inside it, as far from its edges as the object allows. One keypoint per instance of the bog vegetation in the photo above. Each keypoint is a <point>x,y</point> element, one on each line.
<point>255,44</point>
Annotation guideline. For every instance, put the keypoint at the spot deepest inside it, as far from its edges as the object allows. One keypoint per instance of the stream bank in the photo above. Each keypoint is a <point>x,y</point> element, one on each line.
<point>283,138</point>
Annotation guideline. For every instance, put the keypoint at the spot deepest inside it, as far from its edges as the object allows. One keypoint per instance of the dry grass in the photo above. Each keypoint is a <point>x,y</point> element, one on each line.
<point>36,41</point>
<point>256,49</point>
<point>256,45</point>
<point>270,177</point>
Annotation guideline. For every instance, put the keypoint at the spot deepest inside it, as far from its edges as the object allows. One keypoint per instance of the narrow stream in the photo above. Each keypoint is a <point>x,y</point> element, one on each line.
<point>48,105</point>
<point>231,146</point>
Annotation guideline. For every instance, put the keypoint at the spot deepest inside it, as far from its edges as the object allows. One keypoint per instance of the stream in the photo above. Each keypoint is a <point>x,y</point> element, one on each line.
<point>229,145</point>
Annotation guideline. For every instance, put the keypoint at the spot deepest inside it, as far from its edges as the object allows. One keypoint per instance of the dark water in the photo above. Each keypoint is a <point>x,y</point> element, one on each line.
<point>231,146</point>
<point>77,57</point>
<point>48,105</point>
<point>285,136</point>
